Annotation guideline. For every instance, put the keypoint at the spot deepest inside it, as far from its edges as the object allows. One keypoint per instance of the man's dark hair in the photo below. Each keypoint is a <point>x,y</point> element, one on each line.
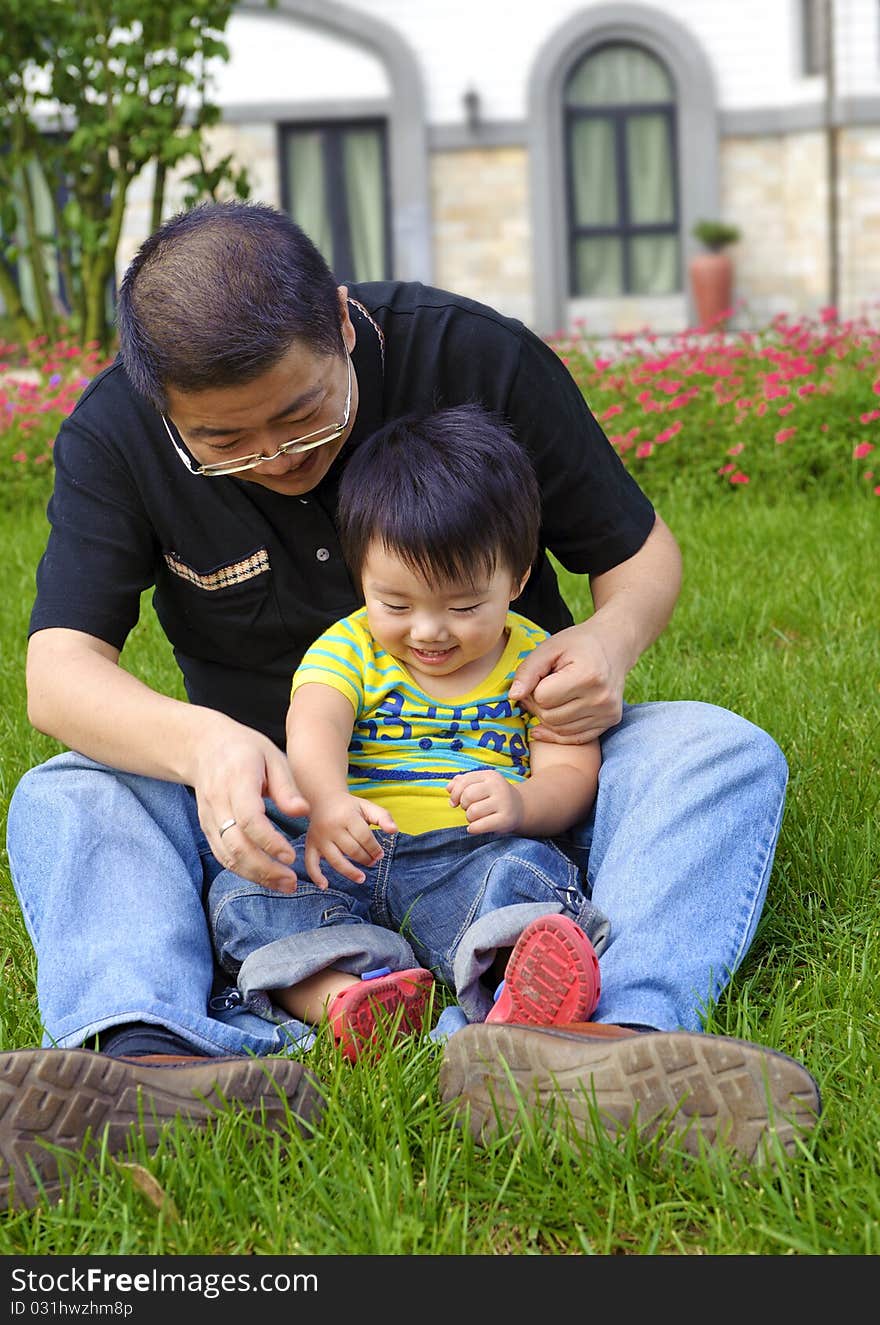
<point>217,295</point>
<point>452,494</point>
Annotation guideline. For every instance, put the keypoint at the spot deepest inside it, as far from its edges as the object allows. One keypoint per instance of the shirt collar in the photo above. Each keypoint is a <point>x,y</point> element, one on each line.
<point>368,358</point>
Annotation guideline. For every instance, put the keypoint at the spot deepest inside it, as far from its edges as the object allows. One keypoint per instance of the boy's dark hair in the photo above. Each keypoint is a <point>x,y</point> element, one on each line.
<point>452,494</point>
<point>217,295</point>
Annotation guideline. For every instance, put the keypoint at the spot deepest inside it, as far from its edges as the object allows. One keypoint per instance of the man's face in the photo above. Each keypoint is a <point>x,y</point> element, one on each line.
<point>302,394</point>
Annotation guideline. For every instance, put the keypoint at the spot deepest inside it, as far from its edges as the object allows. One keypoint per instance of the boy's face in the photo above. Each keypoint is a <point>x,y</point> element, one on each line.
<point>436,632</point>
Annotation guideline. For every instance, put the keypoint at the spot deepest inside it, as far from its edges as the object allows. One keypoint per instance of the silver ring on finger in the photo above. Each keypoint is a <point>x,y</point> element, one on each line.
<point>230,823</point>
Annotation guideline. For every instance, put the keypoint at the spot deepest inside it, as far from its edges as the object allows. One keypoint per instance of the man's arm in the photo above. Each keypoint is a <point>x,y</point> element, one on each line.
<point>574,681</point>
<point>78,693</point>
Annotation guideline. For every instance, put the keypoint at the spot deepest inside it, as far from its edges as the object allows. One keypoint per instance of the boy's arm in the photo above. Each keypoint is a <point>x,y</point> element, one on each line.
<point>320,721</point>
<point>561,787</point>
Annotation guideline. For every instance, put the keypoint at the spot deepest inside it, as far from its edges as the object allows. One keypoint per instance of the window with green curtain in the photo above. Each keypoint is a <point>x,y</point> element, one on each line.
<point>335,185</point>
<point>622,174</point>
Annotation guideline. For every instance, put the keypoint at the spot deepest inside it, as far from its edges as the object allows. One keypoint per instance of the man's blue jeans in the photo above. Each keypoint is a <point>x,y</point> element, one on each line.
<point>112,872</point>
<point>441,900</point>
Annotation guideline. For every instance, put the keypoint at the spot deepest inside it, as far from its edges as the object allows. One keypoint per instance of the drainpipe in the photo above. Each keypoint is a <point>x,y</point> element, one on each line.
<point>832,159</point>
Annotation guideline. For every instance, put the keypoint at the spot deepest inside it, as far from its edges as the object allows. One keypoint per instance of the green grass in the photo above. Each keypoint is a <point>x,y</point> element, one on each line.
<point>778,619</point>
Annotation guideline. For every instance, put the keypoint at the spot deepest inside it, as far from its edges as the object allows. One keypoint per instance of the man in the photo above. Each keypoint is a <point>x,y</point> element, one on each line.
<point>205,463</point>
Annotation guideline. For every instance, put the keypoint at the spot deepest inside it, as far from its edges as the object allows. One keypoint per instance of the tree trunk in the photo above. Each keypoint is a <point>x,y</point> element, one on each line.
<point>25,328</point>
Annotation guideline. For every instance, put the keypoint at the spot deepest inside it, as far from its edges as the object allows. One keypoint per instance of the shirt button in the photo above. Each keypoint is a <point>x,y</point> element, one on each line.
<point>323,554</point>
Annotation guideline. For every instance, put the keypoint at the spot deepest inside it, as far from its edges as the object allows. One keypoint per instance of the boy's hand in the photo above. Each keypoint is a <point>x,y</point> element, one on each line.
<point>339,832</point>
<point>491,803</point>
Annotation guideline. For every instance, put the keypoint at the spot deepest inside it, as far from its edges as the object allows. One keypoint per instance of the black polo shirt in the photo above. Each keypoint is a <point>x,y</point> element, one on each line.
<point>245,578</point>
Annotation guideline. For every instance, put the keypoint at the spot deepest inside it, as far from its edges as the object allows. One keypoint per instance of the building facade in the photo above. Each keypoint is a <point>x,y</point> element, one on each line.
<point>551,160</point>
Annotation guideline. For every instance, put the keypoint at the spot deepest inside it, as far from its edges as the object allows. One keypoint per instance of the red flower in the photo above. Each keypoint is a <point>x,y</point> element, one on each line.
<point>668,433</point>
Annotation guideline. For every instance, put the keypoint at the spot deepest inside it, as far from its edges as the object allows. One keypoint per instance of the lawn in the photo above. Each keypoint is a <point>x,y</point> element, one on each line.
<point>778,619</point>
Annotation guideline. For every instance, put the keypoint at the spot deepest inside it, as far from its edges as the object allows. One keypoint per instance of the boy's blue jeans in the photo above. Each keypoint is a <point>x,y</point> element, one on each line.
<point>112,872</point>
<point>441,900</point>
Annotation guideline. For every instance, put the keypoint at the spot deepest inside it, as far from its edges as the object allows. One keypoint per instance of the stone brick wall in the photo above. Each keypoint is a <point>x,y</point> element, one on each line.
<point>774,189</point>
<point>859,155</point>
<point>481,232</point>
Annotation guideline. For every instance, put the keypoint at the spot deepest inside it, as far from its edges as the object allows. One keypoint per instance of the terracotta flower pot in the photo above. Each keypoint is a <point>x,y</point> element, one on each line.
<point>712,286</point>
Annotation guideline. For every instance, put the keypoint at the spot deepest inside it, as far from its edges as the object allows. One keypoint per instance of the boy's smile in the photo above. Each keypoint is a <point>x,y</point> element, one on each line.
<point>452,634</point>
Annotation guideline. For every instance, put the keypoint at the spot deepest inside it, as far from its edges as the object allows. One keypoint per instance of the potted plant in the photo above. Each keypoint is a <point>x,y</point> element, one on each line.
<point>711,272</point>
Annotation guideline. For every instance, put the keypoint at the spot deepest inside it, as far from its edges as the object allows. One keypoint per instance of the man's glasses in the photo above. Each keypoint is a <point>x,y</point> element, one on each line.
<point>320,437</point>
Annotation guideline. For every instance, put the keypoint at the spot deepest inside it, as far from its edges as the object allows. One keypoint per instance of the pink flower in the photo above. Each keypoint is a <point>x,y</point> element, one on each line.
<point>739,478</point>
<point>784,435</point>
<point>877,490</point>
<point>863,449</point>
<point>726,469</point>
<point>611,411</point>
<point>19,457</point>
<point>785,409</point>
<point>668,433</point>
<point>644,449</point>
<point>736,448</point>
<point>870,416</point>
<point>876,387</point>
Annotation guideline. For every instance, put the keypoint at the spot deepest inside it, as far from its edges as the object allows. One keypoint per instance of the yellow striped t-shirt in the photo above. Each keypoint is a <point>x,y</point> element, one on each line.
<point>405,744</point>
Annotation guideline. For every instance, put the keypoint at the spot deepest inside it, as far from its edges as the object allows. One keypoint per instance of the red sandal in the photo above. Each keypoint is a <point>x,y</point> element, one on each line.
<point>552,976</point>
<point>360,1013</point>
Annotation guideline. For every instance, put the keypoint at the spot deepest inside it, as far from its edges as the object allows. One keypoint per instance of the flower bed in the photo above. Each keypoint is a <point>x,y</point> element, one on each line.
<point>795,406</point>
<point>39,385</point>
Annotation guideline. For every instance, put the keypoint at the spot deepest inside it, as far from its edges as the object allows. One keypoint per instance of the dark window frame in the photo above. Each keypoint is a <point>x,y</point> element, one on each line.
<point>332,132</point>
<point>625,229</point>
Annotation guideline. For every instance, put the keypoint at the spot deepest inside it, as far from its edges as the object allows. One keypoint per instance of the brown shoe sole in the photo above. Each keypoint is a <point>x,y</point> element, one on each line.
<point>705,1089</point>
<point>61,1097</point>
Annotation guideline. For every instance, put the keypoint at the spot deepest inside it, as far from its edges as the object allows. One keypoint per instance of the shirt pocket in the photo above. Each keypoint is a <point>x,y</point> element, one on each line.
<point>224,613</point>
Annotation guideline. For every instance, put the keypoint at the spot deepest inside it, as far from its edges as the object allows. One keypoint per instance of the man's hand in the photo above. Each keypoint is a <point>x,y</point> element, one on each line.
<point>490,802</point>
<point>234,772</point>
<point>572,684</point>
<point>340,832</point>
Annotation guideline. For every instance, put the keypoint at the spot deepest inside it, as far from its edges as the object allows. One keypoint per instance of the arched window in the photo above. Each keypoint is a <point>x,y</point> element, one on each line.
<point>622,174</point>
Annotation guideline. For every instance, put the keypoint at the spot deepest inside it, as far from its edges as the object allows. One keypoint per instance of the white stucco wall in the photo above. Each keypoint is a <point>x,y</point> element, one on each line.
<point>275,60</point>
<point>490,45</point>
